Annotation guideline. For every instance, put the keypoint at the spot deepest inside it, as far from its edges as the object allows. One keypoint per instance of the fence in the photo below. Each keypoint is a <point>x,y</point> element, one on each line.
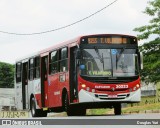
<point>7,98</point>
<point>148,89</point>
<point>148,92</point>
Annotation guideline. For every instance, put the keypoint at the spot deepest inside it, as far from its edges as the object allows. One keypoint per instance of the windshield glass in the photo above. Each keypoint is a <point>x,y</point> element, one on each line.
<point>109,62</point>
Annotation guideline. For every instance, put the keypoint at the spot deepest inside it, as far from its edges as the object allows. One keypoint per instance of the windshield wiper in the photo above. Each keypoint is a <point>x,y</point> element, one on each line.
<point>118,57</point>
<point>100,58</point>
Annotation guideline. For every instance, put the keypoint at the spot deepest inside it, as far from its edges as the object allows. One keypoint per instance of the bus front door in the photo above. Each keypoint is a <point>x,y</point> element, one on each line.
<point>44,81</point>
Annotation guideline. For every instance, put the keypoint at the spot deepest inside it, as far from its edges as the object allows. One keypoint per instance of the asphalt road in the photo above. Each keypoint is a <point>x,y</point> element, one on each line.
<point>60,120</point>
<point>116,121</point>
<point>107,116</point>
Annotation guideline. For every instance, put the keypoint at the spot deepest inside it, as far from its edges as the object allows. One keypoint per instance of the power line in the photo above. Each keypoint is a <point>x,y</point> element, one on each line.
<point>66,26</point>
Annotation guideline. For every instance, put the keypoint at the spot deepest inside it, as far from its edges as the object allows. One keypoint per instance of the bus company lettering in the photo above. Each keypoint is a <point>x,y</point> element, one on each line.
<point>103,87</point>
<point>57,93</point>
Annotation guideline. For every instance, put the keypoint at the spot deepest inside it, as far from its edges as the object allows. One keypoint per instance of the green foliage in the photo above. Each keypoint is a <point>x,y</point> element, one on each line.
<point>151,52</point>
<point>147,103</point>
<point>6,75</point>
<point>154,24</point>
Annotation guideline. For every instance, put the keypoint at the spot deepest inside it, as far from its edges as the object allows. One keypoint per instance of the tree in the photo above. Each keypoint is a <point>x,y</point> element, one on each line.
<point>154,24</point>
<point>6,75</point>
<point>151,50</point>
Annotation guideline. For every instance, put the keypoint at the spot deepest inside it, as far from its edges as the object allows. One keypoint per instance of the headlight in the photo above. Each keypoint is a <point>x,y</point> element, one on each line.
<point>137,85</point>
<point>83,85</point>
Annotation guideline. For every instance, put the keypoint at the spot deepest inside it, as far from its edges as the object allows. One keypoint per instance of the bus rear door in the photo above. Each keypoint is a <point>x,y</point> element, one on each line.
<point>25,85</point>
<point>44,80</point>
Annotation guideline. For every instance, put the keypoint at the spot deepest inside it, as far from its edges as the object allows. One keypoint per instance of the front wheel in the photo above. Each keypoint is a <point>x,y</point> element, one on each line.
<point>73,110</point>
<point>118,109</point>
<point>66,106</point>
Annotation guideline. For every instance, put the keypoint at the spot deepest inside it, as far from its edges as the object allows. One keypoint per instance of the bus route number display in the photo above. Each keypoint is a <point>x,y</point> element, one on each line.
<point>109,40</point>
<point>92,40</point>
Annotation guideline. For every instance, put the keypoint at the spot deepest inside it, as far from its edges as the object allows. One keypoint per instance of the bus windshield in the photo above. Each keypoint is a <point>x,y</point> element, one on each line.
<point>109,63</point>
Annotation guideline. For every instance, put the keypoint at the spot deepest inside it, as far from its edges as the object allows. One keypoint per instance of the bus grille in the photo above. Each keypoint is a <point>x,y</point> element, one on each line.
<point>105,96</point>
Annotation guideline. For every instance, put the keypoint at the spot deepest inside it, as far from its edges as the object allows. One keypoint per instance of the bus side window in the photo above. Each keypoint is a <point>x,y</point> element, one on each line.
<point>64,59</point>
<point>31,69</point>
<point>53,62</point>
<point>45,67</point>
<point>37,67</point>
<point>18,72</point>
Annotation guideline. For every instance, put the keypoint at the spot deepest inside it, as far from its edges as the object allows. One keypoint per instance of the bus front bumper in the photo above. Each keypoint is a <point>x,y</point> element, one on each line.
<point>85,96</point>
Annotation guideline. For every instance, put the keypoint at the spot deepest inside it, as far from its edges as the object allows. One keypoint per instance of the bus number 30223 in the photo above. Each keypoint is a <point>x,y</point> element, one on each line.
<point>121,86</point>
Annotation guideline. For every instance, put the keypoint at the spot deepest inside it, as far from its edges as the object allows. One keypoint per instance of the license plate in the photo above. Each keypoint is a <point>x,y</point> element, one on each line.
<point>112,96</point>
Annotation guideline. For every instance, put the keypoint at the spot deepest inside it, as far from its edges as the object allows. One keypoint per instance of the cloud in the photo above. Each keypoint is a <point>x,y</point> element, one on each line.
<point>27,16</point>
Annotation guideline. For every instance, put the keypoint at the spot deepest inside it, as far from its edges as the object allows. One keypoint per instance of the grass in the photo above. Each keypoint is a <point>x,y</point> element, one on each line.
<point>98,111</point>
<point>142,108</point>
<point>147,103</point>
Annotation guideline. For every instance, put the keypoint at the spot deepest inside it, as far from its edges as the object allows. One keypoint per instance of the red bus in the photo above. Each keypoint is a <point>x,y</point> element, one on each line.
<point>92,71</point>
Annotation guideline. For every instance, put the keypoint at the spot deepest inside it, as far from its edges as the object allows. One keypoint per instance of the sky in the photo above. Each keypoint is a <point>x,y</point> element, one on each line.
<point>29,16</point>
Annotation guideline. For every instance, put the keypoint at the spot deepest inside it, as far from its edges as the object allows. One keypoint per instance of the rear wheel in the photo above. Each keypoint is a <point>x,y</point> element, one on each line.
<point>36,112</point>
<point>117,109</point>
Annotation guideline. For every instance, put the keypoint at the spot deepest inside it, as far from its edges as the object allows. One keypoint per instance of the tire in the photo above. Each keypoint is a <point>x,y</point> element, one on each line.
<point>66,106</point>
<point>73,110</point>
<point>36,112</point>
<point>80,111</point>
<point>117,109</point>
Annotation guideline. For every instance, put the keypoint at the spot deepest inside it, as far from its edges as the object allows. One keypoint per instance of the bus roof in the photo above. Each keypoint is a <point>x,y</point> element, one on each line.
<point>66,43</point>
<point>56,46</point>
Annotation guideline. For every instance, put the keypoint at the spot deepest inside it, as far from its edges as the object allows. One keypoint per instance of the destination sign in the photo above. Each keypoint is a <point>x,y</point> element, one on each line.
<point>109,40</point>
<point>112,40</point>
